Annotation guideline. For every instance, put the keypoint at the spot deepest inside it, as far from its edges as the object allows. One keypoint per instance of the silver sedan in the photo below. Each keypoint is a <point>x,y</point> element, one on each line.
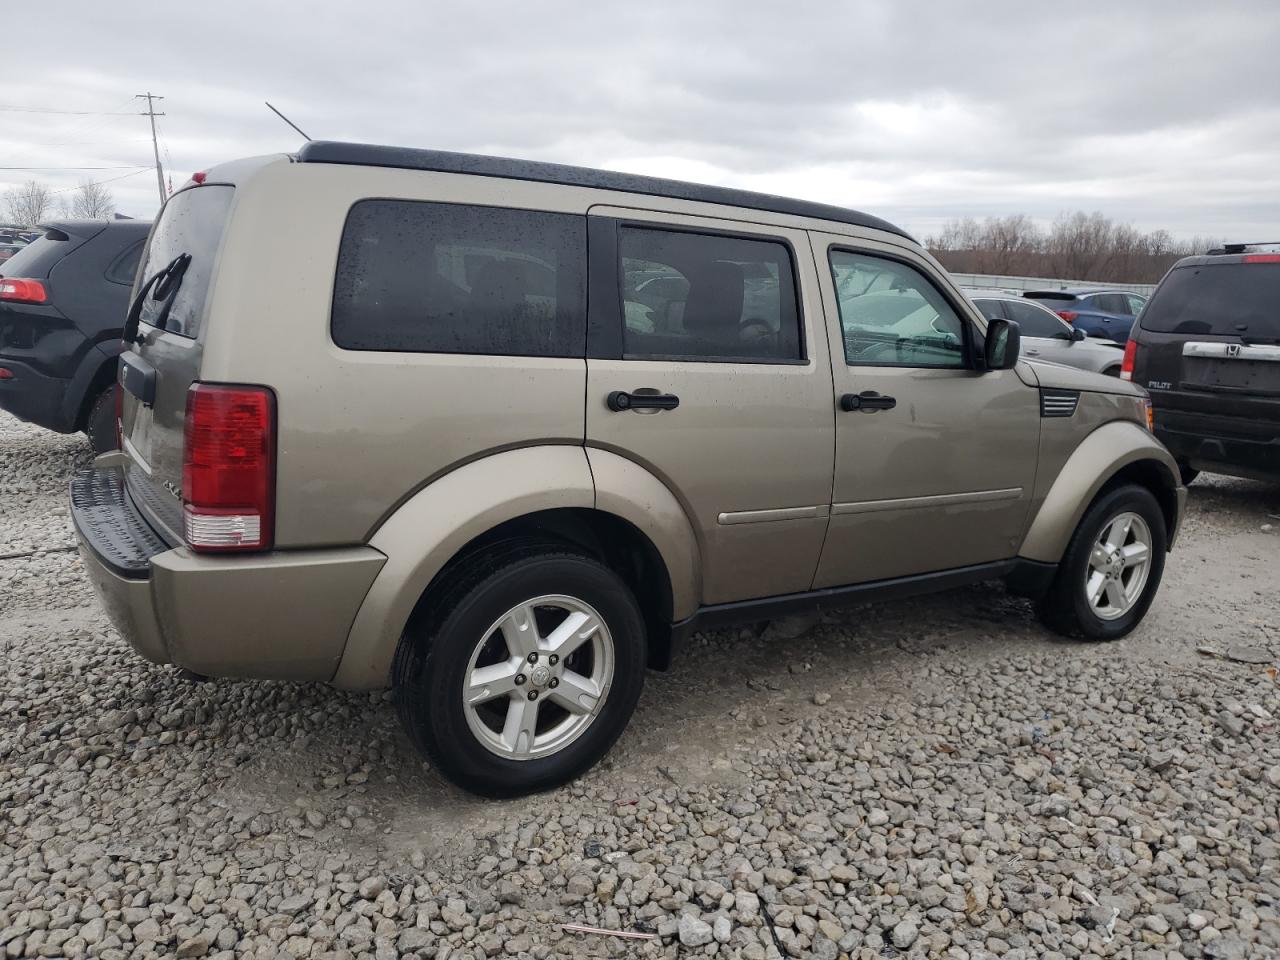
<point>1046,336</point>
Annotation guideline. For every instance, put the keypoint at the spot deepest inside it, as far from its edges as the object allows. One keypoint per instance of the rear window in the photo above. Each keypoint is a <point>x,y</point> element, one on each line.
<point>427,277</point>
<point>1218,299</point>
<point>192,223</point>
<point>37,258</point>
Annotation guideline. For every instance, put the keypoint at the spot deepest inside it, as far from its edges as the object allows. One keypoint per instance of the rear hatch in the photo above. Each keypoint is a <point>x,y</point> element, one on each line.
<point>30,326</point>
<point>157,372</point>
<point>1209,340</point>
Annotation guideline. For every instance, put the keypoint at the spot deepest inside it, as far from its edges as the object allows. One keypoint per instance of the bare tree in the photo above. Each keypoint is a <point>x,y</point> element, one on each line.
<point>28,204</point>
<point>92,201</point>
<point>1078,246</point>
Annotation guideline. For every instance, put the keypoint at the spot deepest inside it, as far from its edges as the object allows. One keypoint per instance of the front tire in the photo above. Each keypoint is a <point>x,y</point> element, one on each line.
<point>527,670</point>
<point>1111,569</point>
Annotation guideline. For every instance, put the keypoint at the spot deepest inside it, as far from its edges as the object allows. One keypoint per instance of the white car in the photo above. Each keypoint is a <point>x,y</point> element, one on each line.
<point>1046,336</point>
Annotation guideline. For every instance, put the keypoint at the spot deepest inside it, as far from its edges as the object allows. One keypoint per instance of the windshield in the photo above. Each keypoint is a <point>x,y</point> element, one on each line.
<point>192,224</point>
<point>1218,299</point>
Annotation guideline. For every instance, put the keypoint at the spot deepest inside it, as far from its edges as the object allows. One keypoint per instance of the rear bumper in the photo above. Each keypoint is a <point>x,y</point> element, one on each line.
<point>282,616</point>
<point>33,396</point>
<point>1231,445</point>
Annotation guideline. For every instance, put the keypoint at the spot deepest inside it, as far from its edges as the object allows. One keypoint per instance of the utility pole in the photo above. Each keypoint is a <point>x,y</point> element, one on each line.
<point>151,112</point>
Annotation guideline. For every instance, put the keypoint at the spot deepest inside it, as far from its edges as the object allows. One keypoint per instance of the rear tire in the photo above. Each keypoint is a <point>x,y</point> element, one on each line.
<point>1112,371</point>
<point>100,424</point>
<point>488,717</point>
<point>1111,569</point>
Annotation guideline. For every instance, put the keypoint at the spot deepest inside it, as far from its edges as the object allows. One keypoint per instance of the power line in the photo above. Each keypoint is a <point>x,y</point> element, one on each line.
<point>123,166</point>
<point>69,113</point>
<point>98,183</point>
<point>155,145</point>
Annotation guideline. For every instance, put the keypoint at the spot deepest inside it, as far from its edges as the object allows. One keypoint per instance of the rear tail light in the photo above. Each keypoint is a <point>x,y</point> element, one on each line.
<point>1068,315</point>
<point>1130,358</point>
<point>119,398</point>
<point>228,468</point>
<point>23,291</point>
<point>6,373</point>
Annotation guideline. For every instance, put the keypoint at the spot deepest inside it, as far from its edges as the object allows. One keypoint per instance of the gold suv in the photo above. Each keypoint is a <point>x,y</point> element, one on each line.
<point>499,434</point>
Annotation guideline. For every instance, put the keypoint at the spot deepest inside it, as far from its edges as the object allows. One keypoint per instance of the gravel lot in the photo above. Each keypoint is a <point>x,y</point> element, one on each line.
<point>931,778</point>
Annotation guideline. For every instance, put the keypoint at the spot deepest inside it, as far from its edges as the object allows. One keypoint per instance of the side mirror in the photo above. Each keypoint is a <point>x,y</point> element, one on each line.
<point>1077,334</point>
<point>1004,341</point>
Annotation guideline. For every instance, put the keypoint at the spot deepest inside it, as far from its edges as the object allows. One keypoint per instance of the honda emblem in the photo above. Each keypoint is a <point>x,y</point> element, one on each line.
<point>1233,350</point>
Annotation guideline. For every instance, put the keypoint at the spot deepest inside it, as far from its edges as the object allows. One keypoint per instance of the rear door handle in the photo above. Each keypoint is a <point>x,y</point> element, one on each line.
<point>867,400</point>
<point>621,400</point>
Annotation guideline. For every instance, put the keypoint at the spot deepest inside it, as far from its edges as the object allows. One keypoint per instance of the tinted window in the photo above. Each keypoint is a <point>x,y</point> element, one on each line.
<point>1113,303</point>
<point>699,296</point>
<point>38,257</point>
<point>893,316</point>
<point>1136,303</point>
<point>125,266</point>
<point>991,309</point>
<point>447,278</point>
<point>191,223</point>
<point>1227,299</point>
<point>1034,321</point>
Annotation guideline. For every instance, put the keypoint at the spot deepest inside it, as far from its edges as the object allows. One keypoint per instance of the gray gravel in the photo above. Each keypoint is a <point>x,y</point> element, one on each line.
<point>935,778</point>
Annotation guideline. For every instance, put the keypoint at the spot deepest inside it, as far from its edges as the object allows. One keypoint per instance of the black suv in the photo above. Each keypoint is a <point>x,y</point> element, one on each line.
<point>63,301</point>
<point>1207,347</point>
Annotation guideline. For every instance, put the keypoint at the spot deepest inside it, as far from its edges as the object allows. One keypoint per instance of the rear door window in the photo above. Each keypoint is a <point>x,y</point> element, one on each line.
<point>427,277</point>
<point>191,223</point>
<point>701,296</point>
<point>1218,299</point>
<point>1034,321</point>
<point>991,309</point>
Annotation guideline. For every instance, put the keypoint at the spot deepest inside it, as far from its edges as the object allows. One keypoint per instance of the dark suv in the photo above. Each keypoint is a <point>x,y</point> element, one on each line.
<point>63,301</point>
<point>1099,313</point>
<point>1207,347</point>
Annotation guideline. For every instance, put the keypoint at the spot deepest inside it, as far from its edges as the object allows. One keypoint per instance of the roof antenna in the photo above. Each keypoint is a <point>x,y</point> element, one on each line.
<point>286,120</point>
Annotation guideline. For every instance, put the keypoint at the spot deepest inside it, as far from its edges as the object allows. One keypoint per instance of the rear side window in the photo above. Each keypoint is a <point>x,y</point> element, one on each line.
<point>125,266</point>
<point>37,258</point>
<point>991,309</point>
<point>448,278</point>
<point>1218,299</point>
<point>191,223</point>
<point>1034,321</point>
<point>700,296</point>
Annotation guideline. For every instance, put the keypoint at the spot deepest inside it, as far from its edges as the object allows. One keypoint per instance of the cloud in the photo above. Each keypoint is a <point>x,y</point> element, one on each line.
<point>1166,115</point>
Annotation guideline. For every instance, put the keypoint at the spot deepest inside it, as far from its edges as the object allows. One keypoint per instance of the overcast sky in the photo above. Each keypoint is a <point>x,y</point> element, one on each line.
<point>1163,114</point>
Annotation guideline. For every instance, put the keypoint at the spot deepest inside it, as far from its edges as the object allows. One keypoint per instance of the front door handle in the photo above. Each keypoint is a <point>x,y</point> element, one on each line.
<point>621,400</point>
<point>867,400</point>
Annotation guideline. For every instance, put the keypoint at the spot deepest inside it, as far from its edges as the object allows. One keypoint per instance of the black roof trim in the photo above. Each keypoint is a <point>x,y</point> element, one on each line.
<point>443,161</point>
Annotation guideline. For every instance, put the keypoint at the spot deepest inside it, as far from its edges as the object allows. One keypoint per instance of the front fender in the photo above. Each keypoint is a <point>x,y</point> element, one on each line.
<point>429,529</point>
<point>1098,458</point>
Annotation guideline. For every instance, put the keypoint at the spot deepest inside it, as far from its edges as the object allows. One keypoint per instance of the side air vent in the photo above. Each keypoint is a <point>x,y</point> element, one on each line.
<point>1058,403</point>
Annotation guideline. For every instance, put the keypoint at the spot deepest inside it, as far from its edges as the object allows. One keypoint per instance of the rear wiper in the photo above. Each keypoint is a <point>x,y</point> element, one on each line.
<point>162,285</point>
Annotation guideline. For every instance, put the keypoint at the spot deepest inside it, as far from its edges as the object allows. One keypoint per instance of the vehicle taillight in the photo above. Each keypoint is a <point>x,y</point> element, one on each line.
<point>6,373</point>
<point>1130,357</point>
<point>23,291</point>
<point>119,398</point>
<point>1068,315</point>
<point>228,468</point>
<point>1262,258</point>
